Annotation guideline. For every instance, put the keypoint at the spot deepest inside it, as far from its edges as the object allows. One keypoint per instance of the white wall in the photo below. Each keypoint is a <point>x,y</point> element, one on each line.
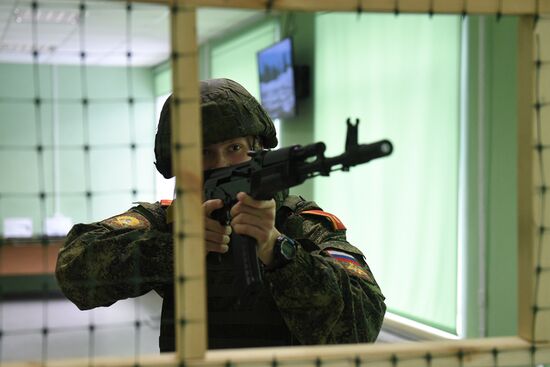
<point>69,333</point>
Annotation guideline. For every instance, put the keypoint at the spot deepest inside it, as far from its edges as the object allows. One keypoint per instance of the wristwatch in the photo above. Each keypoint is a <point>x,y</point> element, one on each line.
<point>284,252</point>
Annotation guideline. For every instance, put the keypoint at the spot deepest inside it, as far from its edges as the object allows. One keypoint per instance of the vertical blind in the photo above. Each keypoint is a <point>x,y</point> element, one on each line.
<point>401,77</point>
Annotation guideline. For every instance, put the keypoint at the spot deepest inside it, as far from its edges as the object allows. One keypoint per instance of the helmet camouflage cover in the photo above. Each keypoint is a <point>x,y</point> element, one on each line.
<point>228,111</point>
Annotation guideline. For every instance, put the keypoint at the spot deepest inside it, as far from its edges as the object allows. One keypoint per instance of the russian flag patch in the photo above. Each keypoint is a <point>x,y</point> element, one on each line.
<point>349,263</point>
<point>336,223</point>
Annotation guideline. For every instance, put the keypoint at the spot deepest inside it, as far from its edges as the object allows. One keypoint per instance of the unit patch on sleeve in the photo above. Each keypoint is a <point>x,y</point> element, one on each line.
<point>127,220</point>
<point>336,223</point>
<point>350,264</point>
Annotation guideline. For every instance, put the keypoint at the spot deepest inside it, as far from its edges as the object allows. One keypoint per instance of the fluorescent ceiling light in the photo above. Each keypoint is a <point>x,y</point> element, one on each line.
<point>47,16</point>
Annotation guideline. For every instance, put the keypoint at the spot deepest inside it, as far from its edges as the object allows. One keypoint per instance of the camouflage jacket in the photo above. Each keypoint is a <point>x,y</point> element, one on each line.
<point>326,295</point>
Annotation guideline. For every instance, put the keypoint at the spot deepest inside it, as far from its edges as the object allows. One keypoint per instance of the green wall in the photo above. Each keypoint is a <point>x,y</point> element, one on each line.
<point>301,128</point>
<point>233,56</point>
<point>493,175</point>
<point>502,202</point>
<point>109,124</point>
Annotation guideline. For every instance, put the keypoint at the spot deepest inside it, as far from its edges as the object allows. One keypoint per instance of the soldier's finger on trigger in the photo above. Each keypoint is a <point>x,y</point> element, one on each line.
<point>259,204</point>
<point>258,214</point>
<point>241,208</point>
<point>253,220</point>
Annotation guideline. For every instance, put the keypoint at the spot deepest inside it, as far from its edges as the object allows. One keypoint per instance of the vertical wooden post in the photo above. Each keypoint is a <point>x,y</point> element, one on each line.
<point>541,107</point>
<point>189,259</point>
<point>525,162</point>
<point>533,176</point>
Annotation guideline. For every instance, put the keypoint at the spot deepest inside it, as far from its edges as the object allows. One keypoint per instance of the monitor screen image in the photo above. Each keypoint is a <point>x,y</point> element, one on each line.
<point>277,91</point>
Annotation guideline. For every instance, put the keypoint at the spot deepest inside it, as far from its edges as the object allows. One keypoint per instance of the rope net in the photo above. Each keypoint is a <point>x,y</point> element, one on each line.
<point>92,131</point>
<point>78,118</point>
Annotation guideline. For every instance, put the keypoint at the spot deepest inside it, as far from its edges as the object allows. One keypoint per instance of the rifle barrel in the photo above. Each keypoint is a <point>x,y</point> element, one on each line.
<point>352,157</point>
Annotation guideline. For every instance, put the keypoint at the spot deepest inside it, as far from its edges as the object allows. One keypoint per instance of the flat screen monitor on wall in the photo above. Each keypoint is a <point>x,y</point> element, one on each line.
<point>277,90</point>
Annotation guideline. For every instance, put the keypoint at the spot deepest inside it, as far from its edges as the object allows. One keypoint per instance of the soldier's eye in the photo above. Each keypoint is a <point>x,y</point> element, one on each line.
<point>235,147</point>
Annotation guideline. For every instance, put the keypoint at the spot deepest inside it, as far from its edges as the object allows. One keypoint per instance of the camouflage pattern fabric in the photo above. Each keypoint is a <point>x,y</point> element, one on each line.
<point>321,299</point>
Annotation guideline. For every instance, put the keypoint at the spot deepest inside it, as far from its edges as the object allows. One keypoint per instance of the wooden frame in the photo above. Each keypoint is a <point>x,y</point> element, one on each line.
<point>530,347</point>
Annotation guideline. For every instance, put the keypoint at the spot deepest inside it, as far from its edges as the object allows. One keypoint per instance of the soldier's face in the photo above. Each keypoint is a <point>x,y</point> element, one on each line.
<point>226,153</point>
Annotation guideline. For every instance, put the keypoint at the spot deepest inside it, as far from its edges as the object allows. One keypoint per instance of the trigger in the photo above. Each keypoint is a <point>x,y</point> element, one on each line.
<point>220,215</point>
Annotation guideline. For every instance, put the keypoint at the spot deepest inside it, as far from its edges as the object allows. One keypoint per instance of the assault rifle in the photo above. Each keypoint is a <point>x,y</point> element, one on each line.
<point>268,172</point>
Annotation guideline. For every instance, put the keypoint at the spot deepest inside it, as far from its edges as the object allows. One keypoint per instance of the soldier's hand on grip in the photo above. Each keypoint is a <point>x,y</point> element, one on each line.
<point>216,235</point>
<point>256,218</point>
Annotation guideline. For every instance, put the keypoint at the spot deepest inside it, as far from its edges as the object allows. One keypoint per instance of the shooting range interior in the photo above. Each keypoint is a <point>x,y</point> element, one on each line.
<point>453,224</point>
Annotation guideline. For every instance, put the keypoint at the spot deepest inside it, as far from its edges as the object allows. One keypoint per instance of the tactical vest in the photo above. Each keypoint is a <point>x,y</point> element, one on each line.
<point>229,326</point>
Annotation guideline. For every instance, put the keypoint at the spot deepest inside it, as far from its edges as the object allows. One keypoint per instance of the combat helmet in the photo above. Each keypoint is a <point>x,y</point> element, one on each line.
<point>228,111</point>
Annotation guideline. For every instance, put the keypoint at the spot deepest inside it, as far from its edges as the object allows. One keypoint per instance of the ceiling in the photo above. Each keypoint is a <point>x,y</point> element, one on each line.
<point>105,31</point>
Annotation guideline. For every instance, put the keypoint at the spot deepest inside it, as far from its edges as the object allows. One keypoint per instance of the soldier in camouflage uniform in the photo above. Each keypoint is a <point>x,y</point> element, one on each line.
<point>322,293</point>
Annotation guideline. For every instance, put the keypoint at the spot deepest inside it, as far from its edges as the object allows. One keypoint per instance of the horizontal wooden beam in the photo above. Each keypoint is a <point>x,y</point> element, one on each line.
<point>504,7</point>
<point>510,351</point>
